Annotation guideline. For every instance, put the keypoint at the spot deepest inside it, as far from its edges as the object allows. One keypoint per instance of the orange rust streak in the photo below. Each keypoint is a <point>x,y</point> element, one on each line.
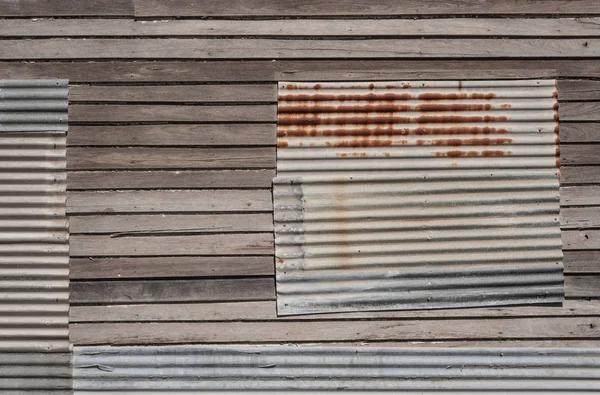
<point>495,153</point>
<point>362,143</point>
<point>282,144</point>
<point>375,107</point>
<point>384,119</point>
<point>454,107</point>
<point>459,142</point>
<point>371,96</point>
<point>455,96</point>
<point>389,131</point>
<point>456,154</point>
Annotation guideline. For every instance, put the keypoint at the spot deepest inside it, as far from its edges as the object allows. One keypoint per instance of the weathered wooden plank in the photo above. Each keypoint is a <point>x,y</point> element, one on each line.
<point>267,311</point>
<point>580,217</point>
<point>301,70</point>
<point>170,201</point>
<point>171,266</point>
<point>197,48</point>
<point>464,27</point>
<point>579,111</point>
<point>579,175</point>
<point>169,158</point>
<point>210,244</point>
<point>588,132</point>
<point>586,195</point>
<point>166,224</point>
<point>578,89</point>
<point>54,8</point>
<point>584,239</point>
<point>174,93</point>
<point>329,331</point>
<point>582,286</point>
<point>582,261</point>
<point>140,135</point>
<point>170,113</point>
<point>159,8</point>
<point>177,179</point>
<point>580,154</point>
<point>148,291</point>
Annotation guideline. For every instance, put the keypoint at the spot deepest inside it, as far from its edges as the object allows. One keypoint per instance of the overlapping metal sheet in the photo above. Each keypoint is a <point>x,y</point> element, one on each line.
<point>404,195</point>
<point>210,368</point>
<point>34,238</point>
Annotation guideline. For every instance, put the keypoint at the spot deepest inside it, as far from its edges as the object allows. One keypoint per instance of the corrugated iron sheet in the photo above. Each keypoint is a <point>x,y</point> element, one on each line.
<point>404,195</point>
<point>239,367</point>
<point>34,238</point>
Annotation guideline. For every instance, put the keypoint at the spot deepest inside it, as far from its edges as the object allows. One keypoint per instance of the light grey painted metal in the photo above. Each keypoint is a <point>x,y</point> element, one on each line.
<point>179,368</point>
<point>33,105</point>
<point>403,195</point>
<point>34,239</point>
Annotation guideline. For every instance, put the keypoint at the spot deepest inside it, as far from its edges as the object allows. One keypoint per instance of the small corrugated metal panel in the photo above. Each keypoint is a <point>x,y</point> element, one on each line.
<point>33,105</point>
<point>34,264</point>
<point>334,368</point>
<point>404,195</point>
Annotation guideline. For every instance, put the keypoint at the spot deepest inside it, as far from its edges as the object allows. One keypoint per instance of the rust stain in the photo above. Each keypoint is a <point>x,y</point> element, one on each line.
<point>371,86</point>
<point>557,163</point>
<point>387,154</point>
<point>406,86</point>
<point>280,260</point>
<point>454,107</point>
<point>365,142</point>
<point>555,94</point>
<point>557,151</point>
<point>390,131</point>
<point>455,96</point>
<point>366,96</point>
<point>420,142</point>
<point>454,164</point>
<point>382,118</point>
<point>505,105</point>
<point>495,153</point>
<point>456,153</point>
<point>282,144</point>
<point>317,86</point>
<point>459,142</point>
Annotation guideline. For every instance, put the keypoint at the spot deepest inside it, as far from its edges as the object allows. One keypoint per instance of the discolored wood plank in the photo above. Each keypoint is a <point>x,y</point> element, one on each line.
<point>192,48</point>
<point>54,8</point>
<point>588,132</point>
<point>301,70</point>
<point>579,154</point>
<point>584,239</point>
<point>211,244</point>
<point>169,158</point>
<point>170,113</point>
<point>173,135</point>
<point>582,261</point>
<point>578,90</point>
<point>583,286</point>
<point>177,179</point>
<point>579,111</point>
<point>167,224</point>
<point>175,94</point>
<point>579,175</point>
<point>580,195</point>
<point>476,27</point>
<point>580,217</point>
<point>171,266</point>
<point>169,201</point>
<point>335,331</point>
<point>172,290</point>
<point>158,8</point>
<point>266,311</point>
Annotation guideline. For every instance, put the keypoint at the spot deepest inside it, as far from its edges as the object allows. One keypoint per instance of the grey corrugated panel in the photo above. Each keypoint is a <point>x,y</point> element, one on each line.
<point>263,367</point>
<point>33,105</point>
<point>34,239</point>
<point>402,195</point>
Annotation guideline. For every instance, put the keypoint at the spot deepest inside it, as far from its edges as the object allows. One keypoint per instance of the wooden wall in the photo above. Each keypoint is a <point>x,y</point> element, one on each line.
<point>172,150</point>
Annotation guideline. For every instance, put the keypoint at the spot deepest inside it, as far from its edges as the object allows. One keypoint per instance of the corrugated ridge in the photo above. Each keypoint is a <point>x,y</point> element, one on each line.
<point>399,195</point>
<point>334,368</point>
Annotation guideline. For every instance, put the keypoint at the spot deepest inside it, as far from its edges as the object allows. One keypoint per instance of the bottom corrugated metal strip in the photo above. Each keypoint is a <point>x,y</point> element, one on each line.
<point>36,373</point>
<point>291,367</point>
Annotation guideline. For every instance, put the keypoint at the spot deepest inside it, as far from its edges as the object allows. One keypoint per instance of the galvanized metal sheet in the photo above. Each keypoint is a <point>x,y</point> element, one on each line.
<point>187,368</point>
<point>404,195</point>
<point>33,105</point>
<point>34,239</point>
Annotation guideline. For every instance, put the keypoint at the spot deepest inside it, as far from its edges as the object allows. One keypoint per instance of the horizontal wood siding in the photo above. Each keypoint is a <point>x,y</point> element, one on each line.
<point>171,152</point>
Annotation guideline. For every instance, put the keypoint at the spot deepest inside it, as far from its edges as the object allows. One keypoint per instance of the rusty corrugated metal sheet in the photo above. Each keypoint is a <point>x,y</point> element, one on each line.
<point>34,239</point>
<point>170,369</point>
<point>404,195</point>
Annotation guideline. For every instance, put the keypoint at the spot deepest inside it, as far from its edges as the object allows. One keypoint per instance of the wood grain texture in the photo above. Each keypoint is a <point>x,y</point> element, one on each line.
<point>578,90</point>
<point>88,113</point>
<point>580,217</point>
<point>159,8</point>
<point>174,94</point>
<point>171,267</point>
<point>300,70</point>
<point>463,27</point>
<point>582,261</point>
<point>168,201</point>
<point>172,290</point>
<point>177,179</point>
<point>192,48</point>
<point>580,154</point>
<point>334,331</point>
<point>123,225</point>
<point>579,111</point>
<point>584,239</point>
<point>54,8</point>
<point>169,158</point>
<point>579,175</point>
<point>582,286</point>
<point>266,311</point>
<point>580,195</point>
<point>588,132</point>
<point>173,135</point>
